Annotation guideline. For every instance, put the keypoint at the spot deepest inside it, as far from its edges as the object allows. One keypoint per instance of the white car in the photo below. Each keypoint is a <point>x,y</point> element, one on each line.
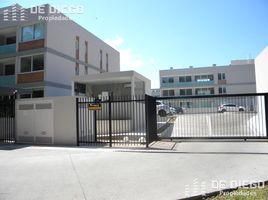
<point>162,109</point>
<point>230,108</point>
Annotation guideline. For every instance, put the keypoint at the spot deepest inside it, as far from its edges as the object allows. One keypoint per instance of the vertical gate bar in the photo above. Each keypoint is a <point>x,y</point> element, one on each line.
<point>95,125</point>
<point>110,122</point>
<point>266,112</point>
<point>77,123</point>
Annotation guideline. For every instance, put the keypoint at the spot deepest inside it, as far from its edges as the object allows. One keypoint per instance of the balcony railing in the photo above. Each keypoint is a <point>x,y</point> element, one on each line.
<point>6,49</point>
<point>187,84</point>
<point>7,81</point>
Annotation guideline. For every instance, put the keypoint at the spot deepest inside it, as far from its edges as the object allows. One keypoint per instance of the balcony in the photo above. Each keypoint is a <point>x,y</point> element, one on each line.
<point>7,49</point>
<point>187,84</point>
<point>7,81</point>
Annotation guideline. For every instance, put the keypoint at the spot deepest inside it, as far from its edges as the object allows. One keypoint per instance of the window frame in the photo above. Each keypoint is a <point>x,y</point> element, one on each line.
<point>32,55</point>
<point>33,32</point>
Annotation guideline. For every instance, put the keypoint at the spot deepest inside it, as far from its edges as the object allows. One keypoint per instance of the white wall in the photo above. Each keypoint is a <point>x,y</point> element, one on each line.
<point>61,36</point>
<point>58,121</point>
<point>261,66</point>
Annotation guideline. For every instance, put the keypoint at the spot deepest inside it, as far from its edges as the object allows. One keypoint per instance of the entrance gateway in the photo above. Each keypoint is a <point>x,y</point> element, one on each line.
<point>140,120</point>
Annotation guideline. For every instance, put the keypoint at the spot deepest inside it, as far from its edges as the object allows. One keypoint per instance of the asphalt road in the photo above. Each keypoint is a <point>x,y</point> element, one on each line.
<point>229,124</point>
<point>49,173</point>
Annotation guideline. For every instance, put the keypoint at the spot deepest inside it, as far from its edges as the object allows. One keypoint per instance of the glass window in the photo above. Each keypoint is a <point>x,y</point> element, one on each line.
<point>164,80</point>
<point>38,31</point>
<point>188,79</point>
<point>224,90</point>
<point>220,90</point>
<point>38,94</point>
<point>38,62</point>
<point>25,64</point>
<point>27,33</point>
<point>2,72</point>
<point>171,93</point>
<point>189,92</point>
<point>25,96</point>
<point>182,92</point>
<point>181,79</point>
<point>165,93</point>
<point>9,69</point>
<point>171,80</point>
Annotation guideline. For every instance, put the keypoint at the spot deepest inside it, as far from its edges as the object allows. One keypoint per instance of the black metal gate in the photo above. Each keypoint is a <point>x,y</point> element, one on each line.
<point>236,116</point>
<point>7,121</point>
<point>112,121</point>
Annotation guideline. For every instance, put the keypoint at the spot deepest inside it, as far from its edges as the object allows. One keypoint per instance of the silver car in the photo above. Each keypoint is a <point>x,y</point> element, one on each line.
<point>230,108</point>
<point>162,109</point>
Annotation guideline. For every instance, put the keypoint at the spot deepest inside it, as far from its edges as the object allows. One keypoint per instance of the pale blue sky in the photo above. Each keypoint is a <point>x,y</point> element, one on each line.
<point>153,35</point>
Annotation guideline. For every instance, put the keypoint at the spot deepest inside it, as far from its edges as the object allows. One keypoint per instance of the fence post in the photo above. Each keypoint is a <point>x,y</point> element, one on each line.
<point>266,112</point>
<point>150,117</point>
<point>95,125</point>
<point>110,122</point>
<point>77,122</point>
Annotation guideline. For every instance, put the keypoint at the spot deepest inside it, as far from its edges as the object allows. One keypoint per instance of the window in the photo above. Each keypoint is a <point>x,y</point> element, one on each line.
<point>86,70</point>
<point>164,80</point>
<point>101,61</point>
<point>32,63</point>
<point>25,64</point>
<point>181,79</point>
<point>76,69</point>
<point>171,93</point>
<point>165,93</point>
<point>221,76</point>
<point>171,80</point>
<point>204,78</point>
<point>86,52</point>
<point>184,92</point>
<point>25,96</point>
<point>38,94</point>
<point>222,90</point>
<point>204,91</point>
<point>32,32</point>
<point>107,62</point>
<point>11,40</point>
<point>38,62</point>
<point>188,79</point>
<point>38,31</point>
<point>27,33</point>
<point>7,69</point>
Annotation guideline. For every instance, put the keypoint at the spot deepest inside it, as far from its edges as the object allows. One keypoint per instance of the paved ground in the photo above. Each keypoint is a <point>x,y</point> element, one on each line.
<point>82,173</point>
<point>213,125</point>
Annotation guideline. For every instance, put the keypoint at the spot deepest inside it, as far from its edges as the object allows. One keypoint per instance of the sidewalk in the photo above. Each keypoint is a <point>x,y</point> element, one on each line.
<point>35,172</point>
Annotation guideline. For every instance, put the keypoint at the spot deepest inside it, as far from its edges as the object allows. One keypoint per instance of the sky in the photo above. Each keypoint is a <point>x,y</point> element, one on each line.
<point>153,35</point>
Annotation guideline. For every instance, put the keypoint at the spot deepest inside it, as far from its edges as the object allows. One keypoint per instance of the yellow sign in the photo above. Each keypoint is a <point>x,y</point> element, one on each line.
<point>94,106</point>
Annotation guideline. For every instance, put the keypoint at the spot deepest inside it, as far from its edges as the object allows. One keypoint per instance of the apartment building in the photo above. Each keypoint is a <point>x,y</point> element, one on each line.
<point>238,77</point>
<point>39,57</point>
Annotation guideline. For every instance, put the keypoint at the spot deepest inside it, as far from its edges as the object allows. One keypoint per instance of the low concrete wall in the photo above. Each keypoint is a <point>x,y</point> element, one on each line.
<point>118,126</point>
<point>49,120</point>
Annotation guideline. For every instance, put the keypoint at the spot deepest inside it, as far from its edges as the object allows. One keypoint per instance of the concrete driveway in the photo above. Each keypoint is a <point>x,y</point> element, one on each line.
<point>32,172</point>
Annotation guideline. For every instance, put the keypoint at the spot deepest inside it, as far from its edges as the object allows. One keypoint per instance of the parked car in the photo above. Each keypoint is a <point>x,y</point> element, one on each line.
<point>172,110</point>
<point>179,110</point>
<point>162,109</point>
<point>230,108</point>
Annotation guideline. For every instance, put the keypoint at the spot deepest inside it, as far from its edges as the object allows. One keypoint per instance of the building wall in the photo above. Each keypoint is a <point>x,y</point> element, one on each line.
<point>261,66</point>
<point>239,78</point>
<point>61,36</point>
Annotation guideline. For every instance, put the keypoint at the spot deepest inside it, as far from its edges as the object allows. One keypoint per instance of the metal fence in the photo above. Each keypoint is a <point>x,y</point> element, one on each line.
<point>111,121</point>
<point>217,116</point>
<point>7,121</point>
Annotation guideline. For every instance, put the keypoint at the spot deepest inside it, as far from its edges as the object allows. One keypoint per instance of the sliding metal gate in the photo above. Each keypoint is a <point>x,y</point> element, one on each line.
<point>7,121</point>
<point>236,116</point>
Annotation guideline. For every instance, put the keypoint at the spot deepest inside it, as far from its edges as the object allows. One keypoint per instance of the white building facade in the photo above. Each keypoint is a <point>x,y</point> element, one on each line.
<point>236,78</point>
<point>39,58</point>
